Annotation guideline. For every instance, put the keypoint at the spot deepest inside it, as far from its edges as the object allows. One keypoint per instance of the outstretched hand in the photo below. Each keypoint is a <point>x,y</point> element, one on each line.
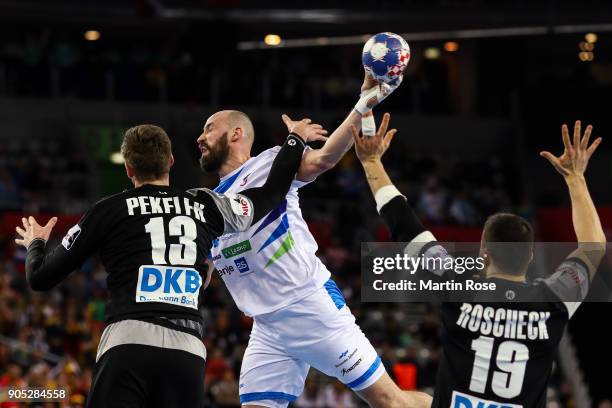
<point>304,128</point>
<point>374,92</point>
<point>576,155</point>
<point>32,230</point>
<point>371,149</point>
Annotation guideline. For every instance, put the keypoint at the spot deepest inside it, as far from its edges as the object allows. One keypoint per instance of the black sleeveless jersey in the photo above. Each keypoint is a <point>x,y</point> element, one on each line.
<point>153,242</point>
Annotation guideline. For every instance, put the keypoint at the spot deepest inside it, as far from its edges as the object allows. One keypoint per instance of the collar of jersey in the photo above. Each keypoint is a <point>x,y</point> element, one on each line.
<point>228,180</point>
<point>153,186</point>
<point>235,171</point>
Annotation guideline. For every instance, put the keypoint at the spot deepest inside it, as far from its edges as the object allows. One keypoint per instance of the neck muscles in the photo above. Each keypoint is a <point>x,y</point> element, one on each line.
<point>231,164</point>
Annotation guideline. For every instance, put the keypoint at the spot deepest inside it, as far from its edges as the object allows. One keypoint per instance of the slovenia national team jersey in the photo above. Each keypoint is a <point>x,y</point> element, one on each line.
<point>273,264</point>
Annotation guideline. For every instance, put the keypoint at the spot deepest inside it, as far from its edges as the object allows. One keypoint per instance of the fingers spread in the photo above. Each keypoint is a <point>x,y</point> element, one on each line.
<point>20,231</point>
<point>286,119</point>
<point>384,124</point>
<point>566,139</point>
<point>33,221</point>
<point>593,146</point>
<point>587,135</point>
<point>554,161</point>
<point>577,127</point>
<point>389,137</point>
<point>25,223</point>
<point>20,242</point>
<point>51,223</point>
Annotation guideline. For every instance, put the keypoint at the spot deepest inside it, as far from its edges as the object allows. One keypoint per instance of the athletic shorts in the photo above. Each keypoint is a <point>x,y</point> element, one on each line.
<point>141,364</point>
<point>318,331</point>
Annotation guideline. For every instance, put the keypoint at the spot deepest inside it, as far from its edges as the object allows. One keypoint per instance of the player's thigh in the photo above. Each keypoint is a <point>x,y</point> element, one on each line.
<point>179,380</point>
<point>343,352</point>
<point>134,375</point>
<point>119,379</point>
<point>269,376</point>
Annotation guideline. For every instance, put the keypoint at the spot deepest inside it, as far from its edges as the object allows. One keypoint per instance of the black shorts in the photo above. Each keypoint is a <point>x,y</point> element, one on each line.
<point>135,375</point>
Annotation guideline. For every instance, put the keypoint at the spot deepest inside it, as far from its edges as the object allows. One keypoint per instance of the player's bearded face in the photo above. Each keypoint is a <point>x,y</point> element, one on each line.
<point>214,155</point>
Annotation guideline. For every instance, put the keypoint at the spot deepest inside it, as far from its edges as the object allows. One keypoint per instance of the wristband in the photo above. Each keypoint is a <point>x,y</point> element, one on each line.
<point>386,194</point>
<point>295,136</point>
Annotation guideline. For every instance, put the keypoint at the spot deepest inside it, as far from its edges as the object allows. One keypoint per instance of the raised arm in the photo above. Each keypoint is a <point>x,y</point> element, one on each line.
<point>320,160</point>
<point>282,173</point>
<point>390,203</point>
<point>571,165</point>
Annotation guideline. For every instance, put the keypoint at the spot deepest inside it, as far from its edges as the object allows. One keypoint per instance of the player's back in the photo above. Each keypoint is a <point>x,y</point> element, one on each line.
<point>153,243</point>
<point>274,262</point>
<point>499,353</point>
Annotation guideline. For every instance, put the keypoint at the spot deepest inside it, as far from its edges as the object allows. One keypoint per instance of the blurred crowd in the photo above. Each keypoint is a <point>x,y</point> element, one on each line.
<point>41,174</point>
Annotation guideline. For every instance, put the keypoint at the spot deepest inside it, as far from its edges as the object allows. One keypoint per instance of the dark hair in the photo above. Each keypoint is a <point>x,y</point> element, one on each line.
<point>147,150</point>
<point>508,239</point>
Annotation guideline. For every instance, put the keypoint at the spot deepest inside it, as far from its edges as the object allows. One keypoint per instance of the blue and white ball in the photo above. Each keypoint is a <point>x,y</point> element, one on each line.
<point>385,57</point>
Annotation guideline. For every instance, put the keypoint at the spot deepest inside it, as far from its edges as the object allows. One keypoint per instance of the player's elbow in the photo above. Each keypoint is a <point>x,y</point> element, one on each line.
<point>594,250</point>
<point>37,286</point>
<point>325,163</point>
<point>36,283</point>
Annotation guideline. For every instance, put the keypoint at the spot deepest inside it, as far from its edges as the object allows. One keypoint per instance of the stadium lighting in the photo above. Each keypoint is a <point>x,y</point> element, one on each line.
<point>586,56</point>
<point>451,46</point>
<point>117,158</point>
<point>432,53</point>
<point>92,35</point>
<point>585,46</point>
<point>591,38</point>
<point>272,40</point>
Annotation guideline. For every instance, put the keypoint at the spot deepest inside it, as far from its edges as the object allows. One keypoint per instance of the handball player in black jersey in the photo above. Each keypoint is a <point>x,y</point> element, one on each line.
<point>153,241</point>
<point>500,354</point>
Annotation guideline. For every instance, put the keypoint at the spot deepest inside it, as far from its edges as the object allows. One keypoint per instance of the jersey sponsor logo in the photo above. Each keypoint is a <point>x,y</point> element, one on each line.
<point>341,363</point>
<point>351,368</point>
<point>242,265</point>
<point>240,205</point>
<point>167,284</point>
<point>236,249</point>
<point>71,236</point>
<point>245,179</point>
<point>226,270</point>
<point>461,400</point>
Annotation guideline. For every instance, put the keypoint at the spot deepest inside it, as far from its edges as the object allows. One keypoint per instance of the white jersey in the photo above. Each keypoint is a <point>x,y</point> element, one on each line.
<point>272,264</point>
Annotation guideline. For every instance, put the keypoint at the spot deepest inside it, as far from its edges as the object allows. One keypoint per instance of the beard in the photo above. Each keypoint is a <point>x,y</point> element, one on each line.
<point>217,155</point>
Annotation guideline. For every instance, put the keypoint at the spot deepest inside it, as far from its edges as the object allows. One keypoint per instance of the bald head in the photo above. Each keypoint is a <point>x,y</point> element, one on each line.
<point>227,138</point>
<point>237,119</point>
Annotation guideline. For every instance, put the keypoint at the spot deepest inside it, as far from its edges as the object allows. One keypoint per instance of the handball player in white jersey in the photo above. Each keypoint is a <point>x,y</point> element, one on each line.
<point>272,272</point>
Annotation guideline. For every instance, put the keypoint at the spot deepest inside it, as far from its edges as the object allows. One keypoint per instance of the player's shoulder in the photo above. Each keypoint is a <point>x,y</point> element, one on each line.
<point>201,192</point>
<point>267,156</point>
<point>110,201</point>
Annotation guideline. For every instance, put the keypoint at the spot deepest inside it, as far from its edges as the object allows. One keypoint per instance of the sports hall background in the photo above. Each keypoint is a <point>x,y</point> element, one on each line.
<point>471,114</point>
